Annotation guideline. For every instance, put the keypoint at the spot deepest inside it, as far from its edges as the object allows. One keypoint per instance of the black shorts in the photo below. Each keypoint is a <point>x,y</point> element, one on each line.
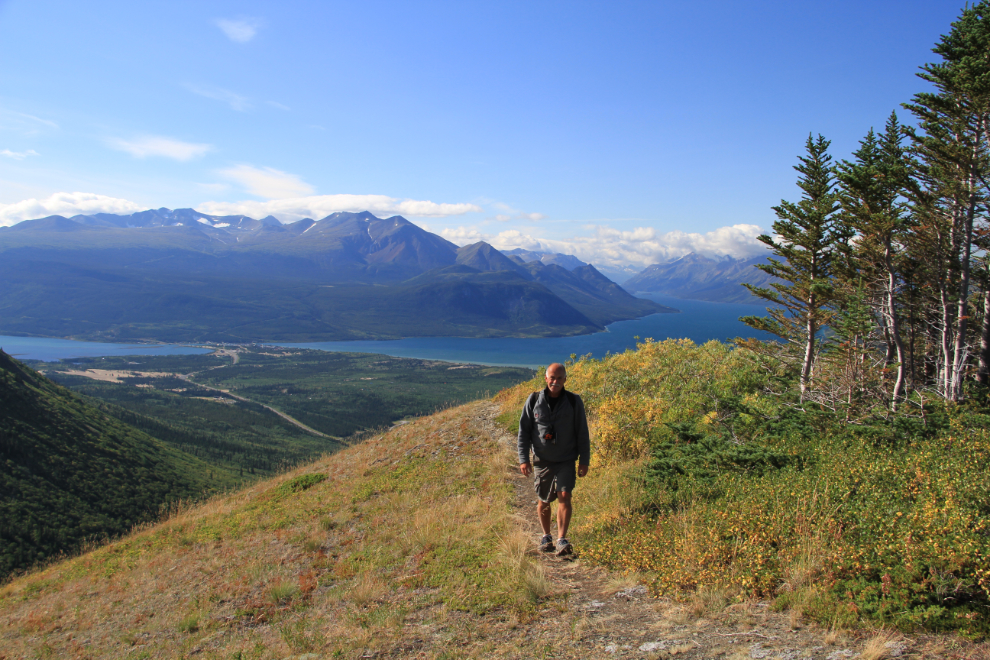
<point>552,478</point>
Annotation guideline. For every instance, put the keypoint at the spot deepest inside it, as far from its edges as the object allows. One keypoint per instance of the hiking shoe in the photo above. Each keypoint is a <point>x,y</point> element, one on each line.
<point>564,547</point>
<point>546,543</point>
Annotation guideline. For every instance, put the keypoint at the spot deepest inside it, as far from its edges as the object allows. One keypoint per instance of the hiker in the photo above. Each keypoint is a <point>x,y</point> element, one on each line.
<point>553,424</point>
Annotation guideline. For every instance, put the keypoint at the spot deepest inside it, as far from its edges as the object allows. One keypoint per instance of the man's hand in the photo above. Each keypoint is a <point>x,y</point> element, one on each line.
<point>526,469</point>
<point>582,470</point>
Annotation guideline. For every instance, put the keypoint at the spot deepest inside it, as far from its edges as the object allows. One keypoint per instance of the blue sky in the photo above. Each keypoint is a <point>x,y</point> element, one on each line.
<point>627,133</point>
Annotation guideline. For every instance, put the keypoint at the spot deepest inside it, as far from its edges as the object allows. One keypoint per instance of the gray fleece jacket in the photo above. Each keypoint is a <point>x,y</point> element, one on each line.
<point>569,423</point>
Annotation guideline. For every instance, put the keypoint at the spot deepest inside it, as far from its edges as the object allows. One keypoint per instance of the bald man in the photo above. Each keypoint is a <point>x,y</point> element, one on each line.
<point>553,425</point>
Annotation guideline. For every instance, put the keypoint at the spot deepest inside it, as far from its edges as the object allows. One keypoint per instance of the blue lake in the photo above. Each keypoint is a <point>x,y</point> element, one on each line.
<point>49,350</point>
<point>698,321</point>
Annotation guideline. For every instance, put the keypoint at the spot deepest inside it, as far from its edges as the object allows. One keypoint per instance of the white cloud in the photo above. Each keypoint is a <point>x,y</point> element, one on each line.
<point>267,182</point>
<point>241,30</point>
<point>276,104</point>
<point>233,99</point>
<point>612,248</point>
<point>320,206</point>
<point>465,236</point>
<point>19,155</point>
<point>67,204</point>
<point>509,213</point>
<point>154,145</point>
<point>24,124</point>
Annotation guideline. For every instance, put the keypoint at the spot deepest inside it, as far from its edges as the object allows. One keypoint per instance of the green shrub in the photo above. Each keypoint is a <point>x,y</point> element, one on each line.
<point>300,483</point>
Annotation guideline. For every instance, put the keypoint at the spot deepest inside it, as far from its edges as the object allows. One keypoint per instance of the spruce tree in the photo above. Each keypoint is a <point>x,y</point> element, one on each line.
<point>808,239</point>
<point>951,146</point>
<point>872,192</point>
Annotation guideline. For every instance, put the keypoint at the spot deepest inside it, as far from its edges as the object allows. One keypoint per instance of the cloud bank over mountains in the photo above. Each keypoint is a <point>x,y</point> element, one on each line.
<point>67,204</point>
<point>616,249</point>
<point>267,182</point>
<point>320,206</point>
<point>604,246</point>
<point>260,182</point>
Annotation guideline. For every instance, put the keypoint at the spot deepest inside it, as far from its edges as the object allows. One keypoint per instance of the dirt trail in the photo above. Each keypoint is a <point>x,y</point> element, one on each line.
<point>604,616</point>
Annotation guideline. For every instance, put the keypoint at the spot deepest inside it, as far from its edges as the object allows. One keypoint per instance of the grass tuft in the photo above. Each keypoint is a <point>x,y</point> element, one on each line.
<point>189,623</point>
<point>878,647</point>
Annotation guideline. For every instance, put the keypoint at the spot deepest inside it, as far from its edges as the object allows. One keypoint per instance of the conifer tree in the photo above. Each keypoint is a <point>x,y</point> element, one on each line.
<point>872,197</point>
<point>808,239</point>
<point>951,146</point>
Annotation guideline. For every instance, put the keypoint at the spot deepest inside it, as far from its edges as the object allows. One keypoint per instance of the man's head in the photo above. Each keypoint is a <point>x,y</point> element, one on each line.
<point>556,376</point>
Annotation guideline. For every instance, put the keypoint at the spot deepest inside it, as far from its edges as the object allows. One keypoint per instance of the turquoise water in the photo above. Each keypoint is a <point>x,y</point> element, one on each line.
<point>698,321</point>
<point>49,350</point>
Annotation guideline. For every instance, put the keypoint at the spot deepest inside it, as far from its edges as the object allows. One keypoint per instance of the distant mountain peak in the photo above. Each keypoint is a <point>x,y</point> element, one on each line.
<point>699,277</point>
<point>568,261</point>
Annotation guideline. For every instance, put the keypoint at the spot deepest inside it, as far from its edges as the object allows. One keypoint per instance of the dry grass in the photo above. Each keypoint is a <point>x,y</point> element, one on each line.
<point>625,582</point>
<point>413,524</point>
<point>707,601</point>
<point>409,548</point>
<point>878,646</point>
<point>521,568</point>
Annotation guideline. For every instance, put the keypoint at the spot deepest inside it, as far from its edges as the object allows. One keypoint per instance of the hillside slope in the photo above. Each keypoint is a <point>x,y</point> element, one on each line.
<point>70,473</point>
<point>417,543</point>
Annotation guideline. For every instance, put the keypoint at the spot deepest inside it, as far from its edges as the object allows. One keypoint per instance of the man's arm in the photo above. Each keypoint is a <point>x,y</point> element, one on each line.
<point>583,438</point>
<point>525,439</point>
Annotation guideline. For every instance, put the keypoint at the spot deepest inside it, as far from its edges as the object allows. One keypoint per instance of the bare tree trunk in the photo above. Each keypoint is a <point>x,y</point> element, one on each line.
<point>948,325</point>
<point>893,324</point>
<point>960,354</point>
<point>809,348</point>
<point>983,374</point>
<point>945,344</point>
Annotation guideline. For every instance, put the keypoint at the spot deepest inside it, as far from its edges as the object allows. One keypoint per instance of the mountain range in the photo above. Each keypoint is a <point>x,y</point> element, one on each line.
<point>187,276</point>
<point>696,277</point>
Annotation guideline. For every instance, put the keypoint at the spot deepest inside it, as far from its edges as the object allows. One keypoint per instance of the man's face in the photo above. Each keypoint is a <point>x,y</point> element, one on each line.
<point>555,381</point>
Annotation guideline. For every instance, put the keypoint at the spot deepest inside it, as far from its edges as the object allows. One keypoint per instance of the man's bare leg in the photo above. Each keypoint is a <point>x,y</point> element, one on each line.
<point>563,515</point>
<point>543,513</point>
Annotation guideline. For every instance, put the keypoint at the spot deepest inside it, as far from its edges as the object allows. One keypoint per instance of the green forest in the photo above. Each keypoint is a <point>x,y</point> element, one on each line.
<point>73,474</point>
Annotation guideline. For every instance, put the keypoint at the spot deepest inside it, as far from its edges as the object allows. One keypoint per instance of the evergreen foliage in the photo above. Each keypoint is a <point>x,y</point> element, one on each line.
<point>811,237</point>
<point>71,474</point>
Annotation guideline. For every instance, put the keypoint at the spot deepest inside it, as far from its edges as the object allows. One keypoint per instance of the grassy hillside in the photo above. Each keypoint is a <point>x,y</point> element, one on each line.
<point>70,473</point>
<point>710,484</point>
<point>348,556</point>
